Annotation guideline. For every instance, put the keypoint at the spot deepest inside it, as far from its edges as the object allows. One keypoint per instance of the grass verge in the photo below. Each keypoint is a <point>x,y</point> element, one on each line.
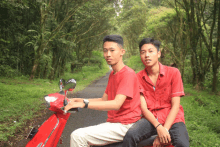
<point>202,116</point>
<point>20,98</point>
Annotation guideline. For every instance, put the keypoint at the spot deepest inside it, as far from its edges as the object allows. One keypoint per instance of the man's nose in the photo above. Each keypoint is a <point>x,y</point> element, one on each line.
<point>108,53</point>
<point>146,54</point>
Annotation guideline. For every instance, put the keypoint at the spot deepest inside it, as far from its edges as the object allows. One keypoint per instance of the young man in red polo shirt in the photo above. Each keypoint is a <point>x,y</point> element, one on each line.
<point>121,99</point>
<point>161,90</point>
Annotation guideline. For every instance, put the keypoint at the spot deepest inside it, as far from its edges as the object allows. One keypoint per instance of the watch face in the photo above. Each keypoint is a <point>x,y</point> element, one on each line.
<point>86,101</point>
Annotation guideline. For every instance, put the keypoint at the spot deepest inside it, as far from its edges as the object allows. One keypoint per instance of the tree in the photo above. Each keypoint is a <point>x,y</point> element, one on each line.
<point>201,20</point>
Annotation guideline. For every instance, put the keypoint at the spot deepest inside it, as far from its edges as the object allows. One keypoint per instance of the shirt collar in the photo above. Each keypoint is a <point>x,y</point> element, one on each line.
<point>161,67</point>
<point>162,70</point>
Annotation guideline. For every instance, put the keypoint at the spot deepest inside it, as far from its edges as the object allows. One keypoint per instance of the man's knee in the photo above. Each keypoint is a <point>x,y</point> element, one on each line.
<point>181,139</point>
<point>130,136</point>
<point>78,134</point>
<point>179,135</point>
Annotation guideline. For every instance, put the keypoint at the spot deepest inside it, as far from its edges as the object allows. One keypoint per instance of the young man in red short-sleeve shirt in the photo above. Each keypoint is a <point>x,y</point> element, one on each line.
<point>121,99</point>
<point>161,90</point>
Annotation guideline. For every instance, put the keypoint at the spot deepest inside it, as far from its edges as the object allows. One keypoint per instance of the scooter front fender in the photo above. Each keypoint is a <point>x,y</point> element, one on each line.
<point>49,133</point>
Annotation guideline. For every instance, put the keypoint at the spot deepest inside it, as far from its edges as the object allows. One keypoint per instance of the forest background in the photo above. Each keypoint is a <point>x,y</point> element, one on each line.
<point>44,40</point>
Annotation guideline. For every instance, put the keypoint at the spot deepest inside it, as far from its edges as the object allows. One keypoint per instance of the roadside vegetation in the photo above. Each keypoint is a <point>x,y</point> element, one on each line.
<point>22,99</point>
<point>202,116</point>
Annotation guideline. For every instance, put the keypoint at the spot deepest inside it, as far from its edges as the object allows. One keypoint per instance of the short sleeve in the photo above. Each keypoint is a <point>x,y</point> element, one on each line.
<point>107,87</point>
<point>106,90</point>
<point>127,84</point>
<point>141,89</point>
<point>177,84</point>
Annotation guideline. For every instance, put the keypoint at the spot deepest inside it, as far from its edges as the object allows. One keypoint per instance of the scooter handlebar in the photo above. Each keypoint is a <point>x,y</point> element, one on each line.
<point>65,102</point>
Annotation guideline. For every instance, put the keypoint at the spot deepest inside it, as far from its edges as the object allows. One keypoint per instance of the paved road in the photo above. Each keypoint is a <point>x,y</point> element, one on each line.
<point>86,117</point>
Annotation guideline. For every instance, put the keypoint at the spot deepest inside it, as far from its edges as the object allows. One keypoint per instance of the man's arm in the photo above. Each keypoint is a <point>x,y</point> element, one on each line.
<point>175,102</point>
<point>104,98</point>
<point>164,136</point>
<point>100,103</point>
<point>147,114</point>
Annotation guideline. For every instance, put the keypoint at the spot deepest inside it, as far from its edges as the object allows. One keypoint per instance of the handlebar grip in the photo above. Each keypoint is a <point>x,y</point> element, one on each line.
<point>72,109</point>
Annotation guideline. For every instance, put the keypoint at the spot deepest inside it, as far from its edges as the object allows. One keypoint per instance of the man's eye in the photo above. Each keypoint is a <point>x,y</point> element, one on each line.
<point>112,50</point>
<point>142,52</point>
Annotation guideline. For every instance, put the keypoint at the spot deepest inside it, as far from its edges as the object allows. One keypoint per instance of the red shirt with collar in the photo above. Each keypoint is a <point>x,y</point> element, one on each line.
<point>124,82</point>
<point>169,84</point>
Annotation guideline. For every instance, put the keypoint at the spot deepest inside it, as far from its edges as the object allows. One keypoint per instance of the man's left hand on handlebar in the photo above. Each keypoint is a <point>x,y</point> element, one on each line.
<point>73,104</point>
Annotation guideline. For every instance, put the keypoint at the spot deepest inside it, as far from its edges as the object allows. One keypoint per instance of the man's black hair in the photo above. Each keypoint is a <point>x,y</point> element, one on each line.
<point>114,38</point>
<point>156,43</point>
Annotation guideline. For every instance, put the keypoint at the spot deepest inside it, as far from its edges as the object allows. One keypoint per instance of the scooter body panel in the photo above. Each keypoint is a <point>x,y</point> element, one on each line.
<point>49,133</point>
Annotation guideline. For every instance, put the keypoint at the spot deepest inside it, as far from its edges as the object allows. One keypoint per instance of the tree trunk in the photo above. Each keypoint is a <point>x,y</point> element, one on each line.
<point>215,78</point>
<point>194,79</point>
<point>216,63</point>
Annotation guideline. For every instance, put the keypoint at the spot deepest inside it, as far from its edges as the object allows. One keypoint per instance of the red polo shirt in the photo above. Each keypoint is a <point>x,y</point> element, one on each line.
<point>124,82</point>
<point>169,84</point>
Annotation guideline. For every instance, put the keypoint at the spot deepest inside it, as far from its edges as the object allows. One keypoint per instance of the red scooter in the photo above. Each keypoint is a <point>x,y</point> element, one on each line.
<point>48,134</point>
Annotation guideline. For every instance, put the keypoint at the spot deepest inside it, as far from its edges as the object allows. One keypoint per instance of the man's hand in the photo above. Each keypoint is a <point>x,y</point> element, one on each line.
<point>163,134</point>
<point>73,104</point>
<point>156,142</point>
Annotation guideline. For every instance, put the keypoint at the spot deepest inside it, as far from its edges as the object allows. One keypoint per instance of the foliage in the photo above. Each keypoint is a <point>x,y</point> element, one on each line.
<point>21,98</point>
<point>135,63</point>
<point>203,32</point>
<point>40,37</point>
<point>202,115</point>
<point>187,30</point>
<point>131,21</point>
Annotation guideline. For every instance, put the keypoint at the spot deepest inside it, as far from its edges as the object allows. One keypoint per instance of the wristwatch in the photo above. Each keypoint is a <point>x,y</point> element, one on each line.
<point>86,101</point>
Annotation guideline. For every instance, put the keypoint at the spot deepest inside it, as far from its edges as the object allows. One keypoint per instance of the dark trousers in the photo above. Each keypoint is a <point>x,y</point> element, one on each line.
<point>143,129</point>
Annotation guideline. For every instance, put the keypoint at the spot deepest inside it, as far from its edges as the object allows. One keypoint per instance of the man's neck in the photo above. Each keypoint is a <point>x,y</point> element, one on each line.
<point>153,70</point>
<point>117,67</point>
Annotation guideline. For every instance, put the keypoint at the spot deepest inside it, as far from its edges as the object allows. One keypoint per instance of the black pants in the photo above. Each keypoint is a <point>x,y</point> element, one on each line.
<point>143,129</point>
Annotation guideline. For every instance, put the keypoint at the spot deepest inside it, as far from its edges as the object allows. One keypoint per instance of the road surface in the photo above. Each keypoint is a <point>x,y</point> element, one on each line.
<point>86,117</point>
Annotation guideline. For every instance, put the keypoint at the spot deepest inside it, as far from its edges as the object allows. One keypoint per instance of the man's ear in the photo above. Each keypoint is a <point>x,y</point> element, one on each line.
<point>159,54</point>
<point>122,52</point>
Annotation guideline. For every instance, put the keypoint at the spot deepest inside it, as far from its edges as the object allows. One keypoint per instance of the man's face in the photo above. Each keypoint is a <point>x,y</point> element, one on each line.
<point>149,55</point>
<point>112,52</point>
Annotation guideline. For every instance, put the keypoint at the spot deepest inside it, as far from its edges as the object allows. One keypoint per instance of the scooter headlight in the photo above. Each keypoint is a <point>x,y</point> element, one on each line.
<point>49,99</point>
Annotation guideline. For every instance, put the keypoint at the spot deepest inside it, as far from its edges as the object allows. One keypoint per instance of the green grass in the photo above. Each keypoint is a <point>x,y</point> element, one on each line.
<point>20,98</point>
<point>202,116</point>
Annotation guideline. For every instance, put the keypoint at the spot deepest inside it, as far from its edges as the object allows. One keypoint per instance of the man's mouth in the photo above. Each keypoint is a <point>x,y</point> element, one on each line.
<point>148,60</point>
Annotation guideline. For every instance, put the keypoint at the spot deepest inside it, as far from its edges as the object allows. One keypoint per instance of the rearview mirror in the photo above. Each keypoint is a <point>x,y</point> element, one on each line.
<point>70,84</point>
<point>61,84</point>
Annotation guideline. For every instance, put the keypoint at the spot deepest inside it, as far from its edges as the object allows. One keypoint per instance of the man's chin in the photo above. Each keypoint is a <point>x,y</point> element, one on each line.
<point>111,64</point>
<point>148,65</point>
